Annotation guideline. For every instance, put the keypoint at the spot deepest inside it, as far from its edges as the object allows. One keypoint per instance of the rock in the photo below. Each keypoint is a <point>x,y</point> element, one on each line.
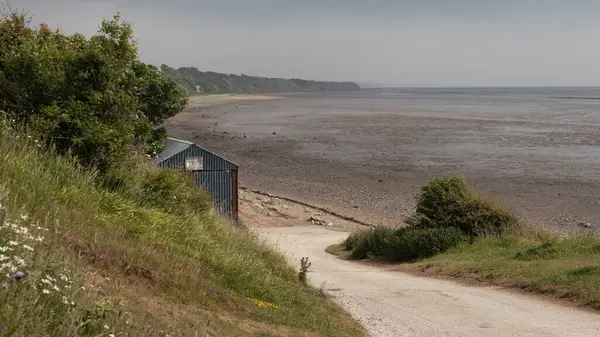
<point>330,224</point>
<point>316,222</point>
<point>585,224</point>
<point>380,180</point>
<point>285,207</point>
<point>274,133</point>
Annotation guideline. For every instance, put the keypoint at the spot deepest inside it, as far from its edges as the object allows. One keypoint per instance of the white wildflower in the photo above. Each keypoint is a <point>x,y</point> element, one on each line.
<point>56,288</point>
<point>24,216</point>
<point>41,228</point>
<point>106,327</point>
<point>22,230</point>
<point>64,277</point>
<point>39,239</point>
<point>3,257</point>
<point>29,137</point>
<point>111,335</point>
<point>65,300</point>
<point>46,291</point>
<point>50,278</point>
<point>7,265</point>
<point>5,249</point>
<point>29,248</point>
<point>13,243</point>
<point>19,261</point>
<point>73,303</point>
<point>82,288</point>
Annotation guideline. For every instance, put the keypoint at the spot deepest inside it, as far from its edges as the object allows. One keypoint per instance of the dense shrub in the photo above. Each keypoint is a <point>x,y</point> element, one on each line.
<point>449,202</point>
<point>173,192</point>
<point>403,244</point>
<point>448,213</point>
<point>88,96</point>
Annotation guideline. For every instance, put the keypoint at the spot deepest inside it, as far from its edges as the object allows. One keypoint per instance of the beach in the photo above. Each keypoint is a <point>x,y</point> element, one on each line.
<point>365,154</point>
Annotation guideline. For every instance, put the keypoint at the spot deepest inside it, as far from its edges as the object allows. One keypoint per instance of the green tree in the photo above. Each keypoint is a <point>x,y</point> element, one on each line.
<point>90,96</point>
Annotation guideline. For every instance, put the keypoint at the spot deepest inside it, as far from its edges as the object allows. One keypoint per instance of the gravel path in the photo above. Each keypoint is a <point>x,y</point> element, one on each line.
<point>394,304</point>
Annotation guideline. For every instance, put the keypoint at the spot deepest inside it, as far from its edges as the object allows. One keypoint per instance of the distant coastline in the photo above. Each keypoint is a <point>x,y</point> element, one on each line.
<point>195,82</point>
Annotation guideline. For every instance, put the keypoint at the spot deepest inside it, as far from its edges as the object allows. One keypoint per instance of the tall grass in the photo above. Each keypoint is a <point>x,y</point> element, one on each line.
<point>137,262</point>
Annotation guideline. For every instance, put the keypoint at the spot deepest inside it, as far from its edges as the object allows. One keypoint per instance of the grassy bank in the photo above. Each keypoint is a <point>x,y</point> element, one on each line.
<point>567,268</point>
<point>455,233</point>
<point>79,259</point>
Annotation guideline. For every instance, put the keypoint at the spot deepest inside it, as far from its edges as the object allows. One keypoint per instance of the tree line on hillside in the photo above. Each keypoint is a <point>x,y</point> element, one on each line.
<point>194,81</point>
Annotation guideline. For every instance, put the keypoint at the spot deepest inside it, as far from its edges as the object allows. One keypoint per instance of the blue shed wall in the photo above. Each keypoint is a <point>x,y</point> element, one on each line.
<point>216,176</point>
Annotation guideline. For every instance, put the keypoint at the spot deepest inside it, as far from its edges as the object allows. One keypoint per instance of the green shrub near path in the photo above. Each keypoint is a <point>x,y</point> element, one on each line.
<point>448,213</point>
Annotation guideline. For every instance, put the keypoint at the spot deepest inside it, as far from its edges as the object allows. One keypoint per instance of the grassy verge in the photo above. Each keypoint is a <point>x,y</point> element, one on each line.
<point>457,234</point>
<point>567,268</point>
<point>77,259</point>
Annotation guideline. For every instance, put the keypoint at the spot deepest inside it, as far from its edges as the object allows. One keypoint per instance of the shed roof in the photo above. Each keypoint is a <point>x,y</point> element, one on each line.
<point>174,146</point>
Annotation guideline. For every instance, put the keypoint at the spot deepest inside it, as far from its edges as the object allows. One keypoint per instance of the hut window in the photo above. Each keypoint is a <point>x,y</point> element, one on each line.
<point>193,164</point>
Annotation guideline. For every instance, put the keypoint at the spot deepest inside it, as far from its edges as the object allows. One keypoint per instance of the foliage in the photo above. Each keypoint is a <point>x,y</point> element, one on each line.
<point>448,213</point>
<point>194,81</point>
<point>402,244</point>
<point>172,191</point>
<point>449,202</point>
<point>88,96</point>
<point>303,273</point>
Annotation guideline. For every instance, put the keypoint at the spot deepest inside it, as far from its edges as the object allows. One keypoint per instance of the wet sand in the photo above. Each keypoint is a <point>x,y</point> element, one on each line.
<point>367,159</point>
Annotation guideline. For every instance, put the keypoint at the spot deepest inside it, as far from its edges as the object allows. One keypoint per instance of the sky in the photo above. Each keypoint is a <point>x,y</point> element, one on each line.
<point>385,42</point>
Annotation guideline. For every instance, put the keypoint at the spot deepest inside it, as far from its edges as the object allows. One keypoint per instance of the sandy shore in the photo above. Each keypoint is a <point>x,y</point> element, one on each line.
<point>370,164</point>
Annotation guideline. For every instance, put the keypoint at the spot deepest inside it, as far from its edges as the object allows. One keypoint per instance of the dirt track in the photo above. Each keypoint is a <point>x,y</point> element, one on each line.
<point>394,304</point>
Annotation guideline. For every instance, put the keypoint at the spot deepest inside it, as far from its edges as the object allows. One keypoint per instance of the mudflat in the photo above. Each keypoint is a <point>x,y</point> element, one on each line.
<point>365,154</point>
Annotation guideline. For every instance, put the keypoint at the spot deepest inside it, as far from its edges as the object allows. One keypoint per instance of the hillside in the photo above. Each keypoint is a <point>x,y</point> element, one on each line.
<point>95,240</point>
<point>194,81</point>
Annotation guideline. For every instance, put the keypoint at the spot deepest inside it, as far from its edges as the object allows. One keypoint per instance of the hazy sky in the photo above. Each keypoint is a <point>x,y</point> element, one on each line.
<point>395,42</point>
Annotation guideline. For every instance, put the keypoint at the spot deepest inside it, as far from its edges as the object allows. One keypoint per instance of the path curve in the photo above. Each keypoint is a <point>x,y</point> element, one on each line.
<point>395,304</point>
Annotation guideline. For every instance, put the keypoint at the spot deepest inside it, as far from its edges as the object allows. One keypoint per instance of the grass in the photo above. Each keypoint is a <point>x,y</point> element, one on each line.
<point>104,262</point>
<point>566,268</point>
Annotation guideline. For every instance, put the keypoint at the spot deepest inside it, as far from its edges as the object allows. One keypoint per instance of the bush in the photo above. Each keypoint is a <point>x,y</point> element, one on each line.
<point>448,202</point>
<point>88,96</point>
<point>173,192</point>
<point>402,244</point>
<point>448,213</point>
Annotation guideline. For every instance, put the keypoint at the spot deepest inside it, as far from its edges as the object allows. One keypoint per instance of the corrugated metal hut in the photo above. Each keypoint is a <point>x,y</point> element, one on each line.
<point>216,174</point>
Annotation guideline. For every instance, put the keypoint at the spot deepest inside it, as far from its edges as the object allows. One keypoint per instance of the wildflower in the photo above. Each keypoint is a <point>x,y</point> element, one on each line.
<point>46,281</point>
<point>64,277</point>
<point>3,257</point>
<point>82,288</point>
<point>5,249</point>
<point>39,239</point>
<point>56,288</point>
<point>24,216</point>
<point>19,275</point>
<point>111,335</point>
<point>65,300</point>
<point>29,248</point>
<point>73,303</point>
<point>13,243</point>
<point>50,278</point>
<point>46,291</point>
<point>19,261</point>
<point>106,327</point>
